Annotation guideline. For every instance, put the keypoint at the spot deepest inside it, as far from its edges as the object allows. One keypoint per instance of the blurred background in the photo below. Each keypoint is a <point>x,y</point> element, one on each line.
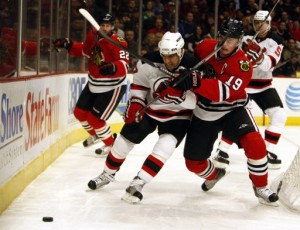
<point>28,27</point>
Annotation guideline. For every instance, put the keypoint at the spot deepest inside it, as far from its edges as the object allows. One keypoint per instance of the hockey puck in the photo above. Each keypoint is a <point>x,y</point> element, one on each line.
<point>47,219</point>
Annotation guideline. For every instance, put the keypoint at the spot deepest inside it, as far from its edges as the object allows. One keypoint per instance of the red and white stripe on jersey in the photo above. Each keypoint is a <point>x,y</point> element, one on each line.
<point>110,107</point>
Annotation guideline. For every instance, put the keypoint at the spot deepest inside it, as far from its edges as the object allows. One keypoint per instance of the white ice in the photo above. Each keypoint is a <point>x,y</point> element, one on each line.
<point>173,200</point>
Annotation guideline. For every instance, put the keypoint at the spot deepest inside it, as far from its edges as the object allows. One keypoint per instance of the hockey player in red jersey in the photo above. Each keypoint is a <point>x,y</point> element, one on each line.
<point>107,67</point>
<point>264,53</point>
<point>170,115</point>
<point>221,105</point>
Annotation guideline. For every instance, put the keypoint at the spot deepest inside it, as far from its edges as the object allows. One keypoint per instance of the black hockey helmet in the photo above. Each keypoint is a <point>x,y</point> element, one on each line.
<point>232,28</point>
<point>107,18</point>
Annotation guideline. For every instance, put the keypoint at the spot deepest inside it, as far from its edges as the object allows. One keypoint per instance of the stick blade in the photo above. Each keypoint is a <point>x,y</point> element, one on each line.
<point>89,17</point>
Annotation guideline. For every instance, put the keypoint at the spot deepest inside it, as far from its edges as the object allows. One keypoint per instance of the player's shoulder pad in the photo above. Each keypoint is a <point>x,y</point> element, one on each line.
<point>276,38</point>
<point>208,41</point>
<point>118,38</point>
<point>189,60</point>
<point>153,57</point>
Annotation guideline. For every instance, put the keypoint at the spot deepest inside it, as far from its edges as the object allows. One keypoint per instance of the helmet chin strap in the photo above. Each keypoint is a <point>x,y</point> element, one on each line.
<point>180,57</point>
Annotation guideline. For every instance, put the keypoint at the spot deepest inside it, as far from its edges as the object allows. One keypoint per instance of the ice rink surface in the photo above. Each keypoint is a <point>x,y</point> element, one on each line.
<point>173,200</point>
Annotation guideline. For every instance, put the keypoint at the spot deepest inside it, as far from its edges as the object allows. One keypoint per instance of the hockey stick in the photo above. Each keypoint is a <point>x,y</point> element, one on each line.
<point>286,61</point>
<point>255,35</point>
<point>93,22</point>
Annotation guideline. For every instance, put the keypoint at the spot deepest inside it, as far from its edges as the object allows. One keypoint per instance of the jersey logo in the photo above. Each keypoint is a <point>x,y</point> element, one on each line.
<point>244,65</point>
<point>121,39</point>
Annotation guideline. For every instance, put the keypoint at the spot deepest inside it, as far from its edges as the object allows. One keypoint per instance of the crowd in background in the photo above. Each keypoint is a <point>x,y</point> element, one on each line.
<point>196,22</point>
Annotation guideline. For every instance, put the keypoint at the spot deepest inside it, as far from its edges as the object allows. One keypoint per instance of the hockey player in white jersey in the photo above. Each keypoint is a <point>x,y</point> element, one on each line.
<point>170,115</point>
<point>264,53</point>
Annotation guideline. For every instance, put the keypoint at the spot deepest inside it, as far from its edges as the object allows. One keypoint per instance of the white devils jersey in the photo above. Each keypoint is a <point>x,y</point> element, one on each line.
<point>262,74</point>
<point>147,79</point>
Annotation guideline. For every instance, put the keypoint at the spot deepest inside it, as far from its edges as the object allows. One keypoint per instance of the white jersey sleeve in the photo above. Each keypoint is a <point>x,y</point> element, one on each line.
<point>272,56</point>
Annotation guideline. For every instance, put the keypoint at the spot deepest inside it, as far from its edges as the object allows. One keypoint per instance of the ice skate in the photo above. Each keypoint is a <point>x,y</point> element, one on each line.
<point>209,184</point>
<point>92,139</point>
<point>274,162</point>
<point>221,159</point>
<point>266,196</point>
<point>103,179</point>
<point>103,151</point>
<point>133,193</point>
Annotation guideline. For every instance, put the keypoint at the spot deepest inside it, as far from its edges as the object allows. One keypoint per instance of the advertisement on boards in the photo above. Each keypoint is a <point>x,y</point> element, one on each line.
<point>11,129</point>
<point>41,115</point>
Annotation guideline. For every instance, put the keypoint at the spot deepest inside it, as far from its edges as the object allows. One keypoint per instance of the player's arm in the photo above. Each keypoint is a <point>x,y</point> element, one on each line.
<point>120,64</point>
<point>271,57</point>
<point>80,49</point>
<point>140,85</point>
<point>138,92</point>
<point>120,56</point>
<point>228,84</point>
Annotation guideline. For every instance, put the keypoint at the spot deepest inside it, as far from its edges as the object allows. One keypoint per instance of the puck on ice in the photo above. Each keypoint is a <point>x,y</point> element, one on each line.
<point>47,219</point>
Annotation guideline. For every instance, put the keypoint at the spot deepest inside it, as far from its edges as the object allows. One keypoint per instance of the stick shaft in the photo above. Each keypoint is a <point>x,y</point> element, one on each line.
<point>93,22</point>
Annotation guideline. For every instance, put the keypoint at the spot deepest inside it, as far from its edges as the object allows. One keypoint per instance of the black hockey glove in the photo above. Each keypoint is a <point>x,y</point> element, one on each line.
<point>187,80</point>
<point>60,43</point>
<point>108,68</point>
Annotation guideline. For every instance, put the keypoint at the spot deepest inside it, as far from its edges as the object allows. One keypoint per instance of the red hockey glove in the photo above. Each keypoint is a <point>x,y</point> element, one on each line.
<point>254,52</point>
<point>134,105</point>
<point>170,94</point>
<point>108,68</point>
<point>188,80</point>
<point>60,43</point>
<point>161,87</point>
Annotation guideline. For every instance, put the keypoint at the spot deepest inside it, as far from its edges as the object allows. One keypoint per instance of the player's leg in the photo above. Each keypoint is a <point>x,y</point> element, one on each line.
<point>270,102</point>
<point>130,135</point>
<point>199,143</point>
<point>81,111</point>
<point>171,134</point>
<point>255,150</point>
<point>105,104</point>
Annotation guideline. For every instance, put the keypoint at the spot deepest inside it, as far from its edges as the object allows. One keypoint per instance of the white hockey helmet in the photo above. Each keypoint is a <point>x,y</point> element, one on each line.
<point>261,15</point>
<point>171,43</point>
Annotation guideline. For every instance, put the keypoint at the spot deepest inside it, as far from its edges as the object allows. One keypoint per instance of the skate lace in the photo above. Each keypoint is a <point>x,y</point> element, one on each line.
<point>137,183</point>
<point>264,192</point>
<point>91,139</point>
<point>104,177</point>
<point>211,183</point>
<point>105,149</point>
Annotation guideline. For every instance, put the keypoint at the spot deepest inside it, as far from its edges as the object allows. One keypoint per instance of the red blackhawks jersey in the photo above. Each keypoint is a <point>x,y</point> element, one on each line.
<point>103,51</point>
<point>224,92</point>
<point>262,74</point>
<point>146,81</point>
